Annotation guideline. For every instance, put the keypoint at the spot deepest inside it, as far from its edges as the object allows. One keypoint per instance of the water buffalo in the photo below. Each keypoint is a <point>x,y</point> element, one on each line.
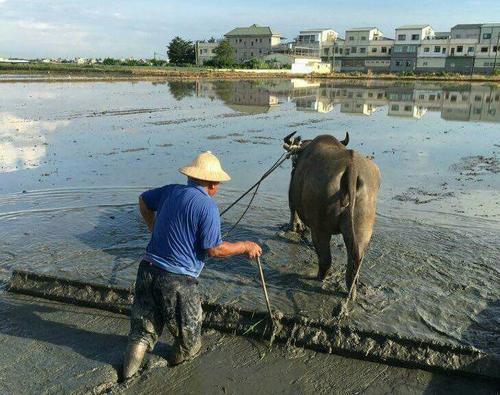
<point>333,190</point>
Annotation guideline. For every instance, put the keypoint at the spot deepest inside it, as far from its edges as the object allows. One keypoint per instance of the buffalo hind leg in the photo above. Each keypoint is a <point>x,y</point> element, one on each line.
<point>363,234</point>
<point>321,241</point>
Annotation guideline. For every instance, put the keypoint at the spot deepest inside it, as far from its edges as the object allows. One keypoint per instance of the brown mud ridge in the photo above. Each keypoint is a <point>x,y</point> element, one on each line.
<point>474,166</point>
<point>75,73</point>
<point>419,196</point>
<point>319,335</point>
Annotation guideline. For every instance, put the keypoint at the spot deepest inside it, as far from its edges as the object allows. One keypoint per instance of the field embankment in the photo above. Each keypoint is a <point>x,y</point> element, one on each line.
<point>50,71</point>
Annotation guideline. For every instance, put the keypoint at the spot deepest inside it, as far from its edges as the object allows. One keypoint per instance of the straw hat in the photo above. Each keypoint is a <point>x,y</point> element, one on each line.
<point>205,167</point>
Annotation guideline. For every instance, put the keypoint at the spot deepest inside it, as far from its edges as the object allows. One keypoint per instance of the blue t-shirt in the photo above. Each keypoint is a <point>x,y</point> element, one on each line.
<point>187,223</point>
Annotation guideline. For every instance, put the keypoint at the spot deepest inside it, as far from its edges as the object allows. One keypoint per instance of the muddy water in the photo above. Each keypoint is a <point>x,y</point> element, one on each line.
<point>74,157</point>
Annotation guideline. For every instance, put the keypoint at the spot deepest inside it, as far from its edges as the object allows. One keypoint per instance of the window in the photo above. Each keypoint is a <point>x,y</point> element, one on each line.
<point>495,48</point>
<point>404,48</point>
<point>260,50</point>
<point>397,49</point>
<point>362,50</point>
<point>444,50</point>
<point>354,50</point>
<point>432,97</point>
<point>395,107</point>
<point>412,48</point>
<point>347,51</point>
<point>415,37</point>
<point>437,49</point>
<point>341,50</point>
<point>401,37</point>
<point>251,43</point>
<point>363,38</point>
<point>484,49</point>
<point>408,108</point>
<point>351,37</point>
<point>486,35</point>
<point>460,48</point>
<point>383,50</point>
<point>425,63</point>
<point>426,49</point>
<point>251,53</point>
<point>470,49</point>
<point>477,98</point>
<point>398,63</point>
<point>260,40</point>
<point>374,49</point>
<point>408,63</point>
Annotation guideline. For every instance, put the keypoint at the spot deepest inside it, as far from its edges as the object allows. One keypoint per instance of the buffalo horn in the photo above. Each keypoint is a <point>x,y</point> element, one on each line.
<point>346,140</point>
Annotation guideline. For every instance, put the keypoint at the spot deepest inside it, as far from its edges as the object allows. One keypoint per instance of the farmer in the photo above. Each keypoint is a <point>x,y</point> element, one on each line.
<point>185,225</point>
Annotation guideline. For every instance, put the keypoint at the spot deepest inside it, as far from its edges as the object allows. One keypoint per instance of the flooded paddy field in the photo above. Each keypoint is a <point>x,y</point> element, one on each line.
<point>75,156</point>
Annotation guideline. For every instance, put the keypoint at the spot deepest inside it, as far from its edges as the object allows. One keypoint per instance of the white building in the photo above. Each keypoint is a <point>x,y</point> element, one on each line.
<point>406,44</point>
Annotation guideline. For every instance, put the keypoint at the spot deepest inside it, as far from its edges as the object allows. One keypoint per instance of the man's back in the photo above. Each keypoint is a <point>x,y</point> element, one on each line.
<point>187,223</point>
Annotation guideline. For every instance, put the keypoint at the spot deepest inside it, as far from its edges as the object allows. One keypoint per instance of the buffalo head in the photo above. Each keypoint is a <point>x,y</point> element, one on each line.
<point>295,144</point>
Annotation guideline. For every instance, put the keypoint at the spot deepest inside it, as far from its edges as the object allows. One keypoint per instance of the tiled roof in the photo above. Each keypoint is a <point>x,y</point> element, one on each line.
<point>361,29</point>
<point>466,26</point>
<point>254,30</point>
<point>413,27</point>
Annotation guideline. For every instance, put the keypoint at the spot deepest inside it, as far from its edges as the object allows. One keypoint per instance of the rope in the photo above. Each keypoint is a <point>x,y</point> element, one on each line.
<point>255,188</point>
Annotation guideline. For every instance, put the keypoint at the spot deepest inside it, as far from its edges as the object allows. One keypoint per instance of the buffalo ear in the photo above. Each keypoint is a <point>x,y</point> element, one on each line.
<point>346,140</point>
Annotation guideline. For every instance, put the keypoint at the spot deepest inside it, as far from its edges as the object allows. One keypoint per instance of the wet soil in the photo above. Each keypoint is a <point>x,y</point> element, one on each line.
<point>69,183</point>
<point>79,350</point>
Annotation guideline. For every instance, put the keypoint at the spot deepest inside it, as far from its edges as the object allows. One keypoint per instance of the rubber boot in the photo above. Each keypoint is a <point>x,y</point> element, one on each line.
<point>178,356</point>
<point>133,358</point>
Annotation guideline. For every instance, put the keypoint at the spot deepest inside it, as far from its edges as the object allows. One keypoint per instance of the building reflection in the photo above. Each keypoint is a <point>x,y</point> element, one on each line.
<point>467,102</point>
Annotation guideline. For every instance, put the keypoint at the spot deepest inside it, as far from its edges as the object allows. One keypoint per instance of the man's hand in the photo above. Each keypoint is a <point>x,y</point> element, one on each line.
<point>253,250</point>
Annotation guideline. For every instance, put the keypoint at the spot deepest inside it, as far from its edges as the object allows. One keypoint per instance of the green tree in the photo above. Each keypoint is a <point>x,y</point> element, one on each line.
<point>181,51</point>
<point>224,55</point>
<point>110,61</point>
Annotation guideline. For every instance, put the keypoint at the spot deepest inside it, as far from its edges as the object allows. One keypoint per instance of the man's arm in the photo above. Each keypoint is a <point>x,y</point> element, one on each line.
<point>147,214</point>
<point>227,249</point>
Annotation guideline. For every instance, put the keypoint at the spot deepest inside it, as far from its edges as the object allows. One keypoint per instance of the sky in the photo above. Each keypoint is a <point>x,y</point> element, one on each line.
<point>125,28</point>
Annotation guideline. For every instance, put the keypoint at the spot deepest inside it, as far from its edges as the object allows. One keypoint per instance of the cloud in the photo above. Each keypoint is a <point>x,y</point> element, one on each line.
<point>32,25</point>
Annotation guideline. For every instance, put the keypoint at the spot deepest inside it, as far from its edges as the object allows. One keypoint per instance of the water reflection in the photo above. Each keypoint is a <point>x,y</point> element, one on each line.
<point>22,141</point>
<point>466,102</point>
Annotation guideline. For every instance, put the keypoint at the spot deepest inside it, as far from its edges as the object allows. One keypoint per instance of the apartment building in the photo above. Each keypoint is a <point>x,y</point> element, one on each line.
<point>487,52</point>
<point>311,42</point>
<point>406,44</point>
<point>462,47</point>
<point>432,52</point>
<point>366,48</point>
<point>204,51</point>
<point>253,42</point>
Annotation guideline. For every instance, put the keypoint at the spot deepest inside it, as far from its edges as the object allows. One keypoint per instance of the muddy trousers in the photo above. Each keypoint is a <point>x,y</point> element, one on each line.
<point>163,298</point>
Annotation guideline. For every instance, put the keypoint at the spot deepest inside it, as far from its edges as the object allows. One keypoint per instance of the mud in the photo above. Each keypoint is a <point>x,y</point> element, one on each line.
<point>431,271</point>
<point>71,349</point>
<point>420,196</point>
<point>323,335</point>
<point>472,167</point>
